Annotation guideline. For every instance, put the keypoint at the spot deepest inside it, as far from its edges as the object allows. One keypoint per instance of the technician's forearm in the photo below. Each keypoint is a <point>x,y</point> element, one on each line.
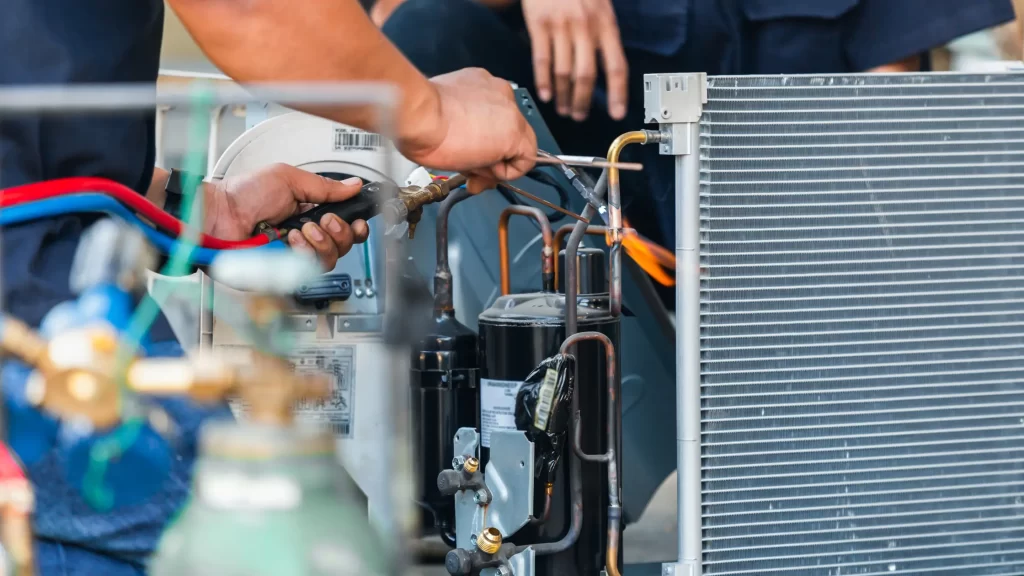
<point>281,40</point>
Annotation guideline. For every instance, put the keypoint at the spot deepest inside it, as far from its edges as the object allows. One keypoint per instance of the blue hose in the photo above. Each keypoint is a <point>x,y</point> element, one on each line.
<point>78,203</point>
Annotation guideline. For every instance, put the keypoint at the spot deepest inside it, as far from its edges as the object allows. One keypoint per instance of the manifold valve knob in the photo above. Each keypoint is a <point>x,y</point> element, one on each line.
<point>449,482</point>
<point>458,562</point>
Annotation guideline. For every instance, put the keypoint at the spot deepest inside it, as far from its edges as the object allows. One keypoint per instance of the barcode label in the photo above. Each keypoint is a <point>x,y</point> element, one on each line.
<point>545,400</point>
<point>341,428</point>
<point>346,139</point>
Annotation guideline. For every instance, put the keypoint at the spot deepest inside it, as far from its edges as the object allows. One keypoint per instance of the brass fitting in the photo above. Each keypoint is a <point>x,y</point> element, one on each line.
<point>414,198</point>
<point>471,465</point>
<point>489,541</point>
<point>265,384</point>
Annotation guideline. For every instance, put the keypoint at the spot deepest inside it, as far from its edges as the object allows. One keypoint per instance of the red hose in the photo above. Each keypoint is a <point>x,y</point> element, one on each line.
<point>123,194</point>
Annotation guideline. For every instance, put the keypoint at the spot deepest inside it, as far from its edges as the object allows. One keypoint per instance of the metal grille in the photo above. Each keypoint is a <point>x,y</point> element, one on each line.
<point>862,325</point>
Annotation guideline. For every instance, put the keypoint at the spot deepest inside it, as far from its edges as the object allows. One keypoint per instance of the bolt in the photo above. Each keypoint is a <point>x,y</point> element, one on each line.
<point>503,571</point>
<point>458,463</point>
<point>482,498</point>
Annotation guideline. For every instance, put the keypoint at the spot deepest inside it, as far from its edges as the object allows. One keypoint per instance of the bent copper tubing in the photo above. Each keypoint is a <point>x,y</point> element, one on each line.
<point>547,255</point>
<point>443,294</point>
<point>611,430</point>
<point>575,469</point>
<point>545,515</point>
<point>615,213</point>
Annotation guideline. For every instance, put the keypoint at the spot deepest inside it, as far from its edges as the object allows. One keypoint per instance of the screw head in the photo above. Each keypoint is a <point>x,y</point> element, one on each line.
<point>665,113</point>
<point>458,463</point>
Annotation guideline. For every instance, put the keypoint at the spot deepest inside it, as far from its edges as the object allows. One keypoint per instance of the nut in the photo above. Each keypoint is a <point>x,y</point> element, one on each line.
<point>489,541</point>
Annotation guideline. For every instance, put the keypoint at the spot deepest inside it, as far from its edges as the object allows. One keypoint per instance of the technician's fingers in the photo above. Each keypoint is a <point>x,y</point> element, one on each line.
<point>324,246</point>
<point>563,69</point>
<point>584,72</point>
<point>340,233</point>
<point>477,182</point>
<point>298,242</point>
<point>315,189</point>
<point>616,69</point>
<point>540,46</point>
<point>361,230</point>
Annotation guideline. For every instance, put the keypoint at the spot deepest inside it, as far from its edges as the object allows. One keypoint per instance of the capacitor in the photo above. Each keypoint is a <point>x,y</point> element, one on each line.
<point>517,333</point>
<point>445,397</point>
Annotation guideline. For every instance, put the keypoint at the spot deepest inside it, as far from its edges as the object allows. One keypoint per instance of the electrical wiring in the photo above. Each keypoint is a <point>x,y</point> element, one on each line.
<point>19,195</point>
<point>77,203</point>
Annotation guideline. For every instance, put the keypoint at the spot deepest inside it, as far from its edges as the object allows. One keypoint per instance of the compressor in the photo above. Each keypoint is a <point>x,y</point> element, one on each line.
<point>523,350</point>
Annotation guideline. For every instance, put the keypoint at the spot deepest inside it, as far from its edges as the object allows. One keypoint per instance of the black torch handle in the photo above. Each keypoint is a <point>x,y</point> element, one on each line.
<point>362,206</point>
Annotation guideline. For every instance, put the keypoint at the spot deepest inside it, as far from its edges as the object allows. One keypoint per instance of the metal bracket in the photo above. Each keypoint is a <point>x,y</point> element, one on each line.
<point>675,98</point>
<point>523,564</point>
<point>675,569</point>
<point>509,477</point>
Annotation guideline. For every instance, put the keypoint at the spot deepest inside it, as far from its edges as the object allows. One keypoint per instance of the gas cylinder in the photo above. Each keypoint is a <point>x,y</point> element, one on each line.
<point>268,502</point>
<point>516,333</point>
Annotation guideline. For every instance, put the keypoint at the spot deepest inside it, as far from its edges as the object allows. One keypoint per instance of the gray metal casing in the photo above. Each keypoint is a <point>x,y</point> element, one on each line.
<point>859,324</point>
<point>509,477</point>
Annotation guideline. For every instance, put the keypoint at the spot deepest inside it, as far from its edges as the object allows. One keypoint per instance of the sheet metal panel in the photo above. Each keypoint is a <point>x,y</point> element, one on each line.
<point>862,327</point>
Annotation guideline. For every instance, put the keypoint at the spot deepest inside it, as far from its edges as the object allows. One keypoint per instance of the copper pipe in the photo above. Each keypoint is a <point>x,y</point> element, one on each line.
<point>545,515</point>
<point>575,476</point>
<point>539,200</point>
<point>615,214</point>
<point>610,457</point>
<point>547,255</point>
<point>564,231</point>
<point>443,294</point>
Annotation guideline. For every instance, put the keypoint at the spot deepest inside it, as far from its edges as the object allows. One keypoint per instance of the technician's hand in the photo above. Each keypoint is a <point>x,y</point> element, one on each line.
<point>234,207</point>
<point>565,36</point>
<point>470,124</point>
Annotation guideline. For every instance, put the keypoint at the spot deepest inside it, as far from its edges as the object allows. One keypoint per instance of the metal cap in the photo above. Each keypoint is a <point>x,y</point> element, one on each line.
<point>593,271</point>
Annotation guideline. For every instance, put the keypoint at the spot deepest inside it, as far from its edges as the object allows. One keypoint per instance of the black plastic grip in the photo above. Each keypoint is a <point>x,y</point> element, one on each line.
<point>362,206</point>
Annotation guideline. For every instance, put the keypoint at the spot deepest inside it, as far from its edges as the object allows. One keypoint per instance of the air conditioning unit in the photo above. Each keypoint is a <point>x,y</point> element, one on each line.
<point>851,322</point>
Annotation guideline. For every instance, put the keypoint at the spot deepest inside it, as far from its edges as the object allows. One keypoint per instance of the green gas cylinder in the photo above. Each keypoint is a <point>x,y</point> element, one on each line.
<point>269,501</point>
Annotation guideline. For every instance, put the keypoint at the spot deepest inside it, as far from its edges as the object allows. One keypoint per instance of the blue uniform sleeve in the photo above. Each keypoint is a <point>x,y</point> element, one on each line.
<point>881,32</point>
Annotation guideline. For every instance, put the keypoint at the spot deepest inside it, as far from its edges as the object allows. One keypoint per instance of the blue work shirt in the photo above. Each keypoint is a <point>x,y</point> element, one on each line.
<point>69,42</point>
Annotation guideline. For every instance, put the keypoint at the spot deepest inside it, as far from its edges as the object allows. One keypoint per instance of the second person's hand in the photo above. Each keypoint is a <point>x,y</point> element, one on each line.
<point>565,37</point>
<point>234,206</point>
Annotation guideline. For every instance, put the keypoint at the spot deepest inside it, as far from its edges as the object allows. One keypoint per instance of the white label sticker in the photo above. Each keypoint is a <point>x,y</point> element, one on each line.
<point>497,407</point>
<point>337,411</point>
<point>546,399</point>
<point>348,139</point>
